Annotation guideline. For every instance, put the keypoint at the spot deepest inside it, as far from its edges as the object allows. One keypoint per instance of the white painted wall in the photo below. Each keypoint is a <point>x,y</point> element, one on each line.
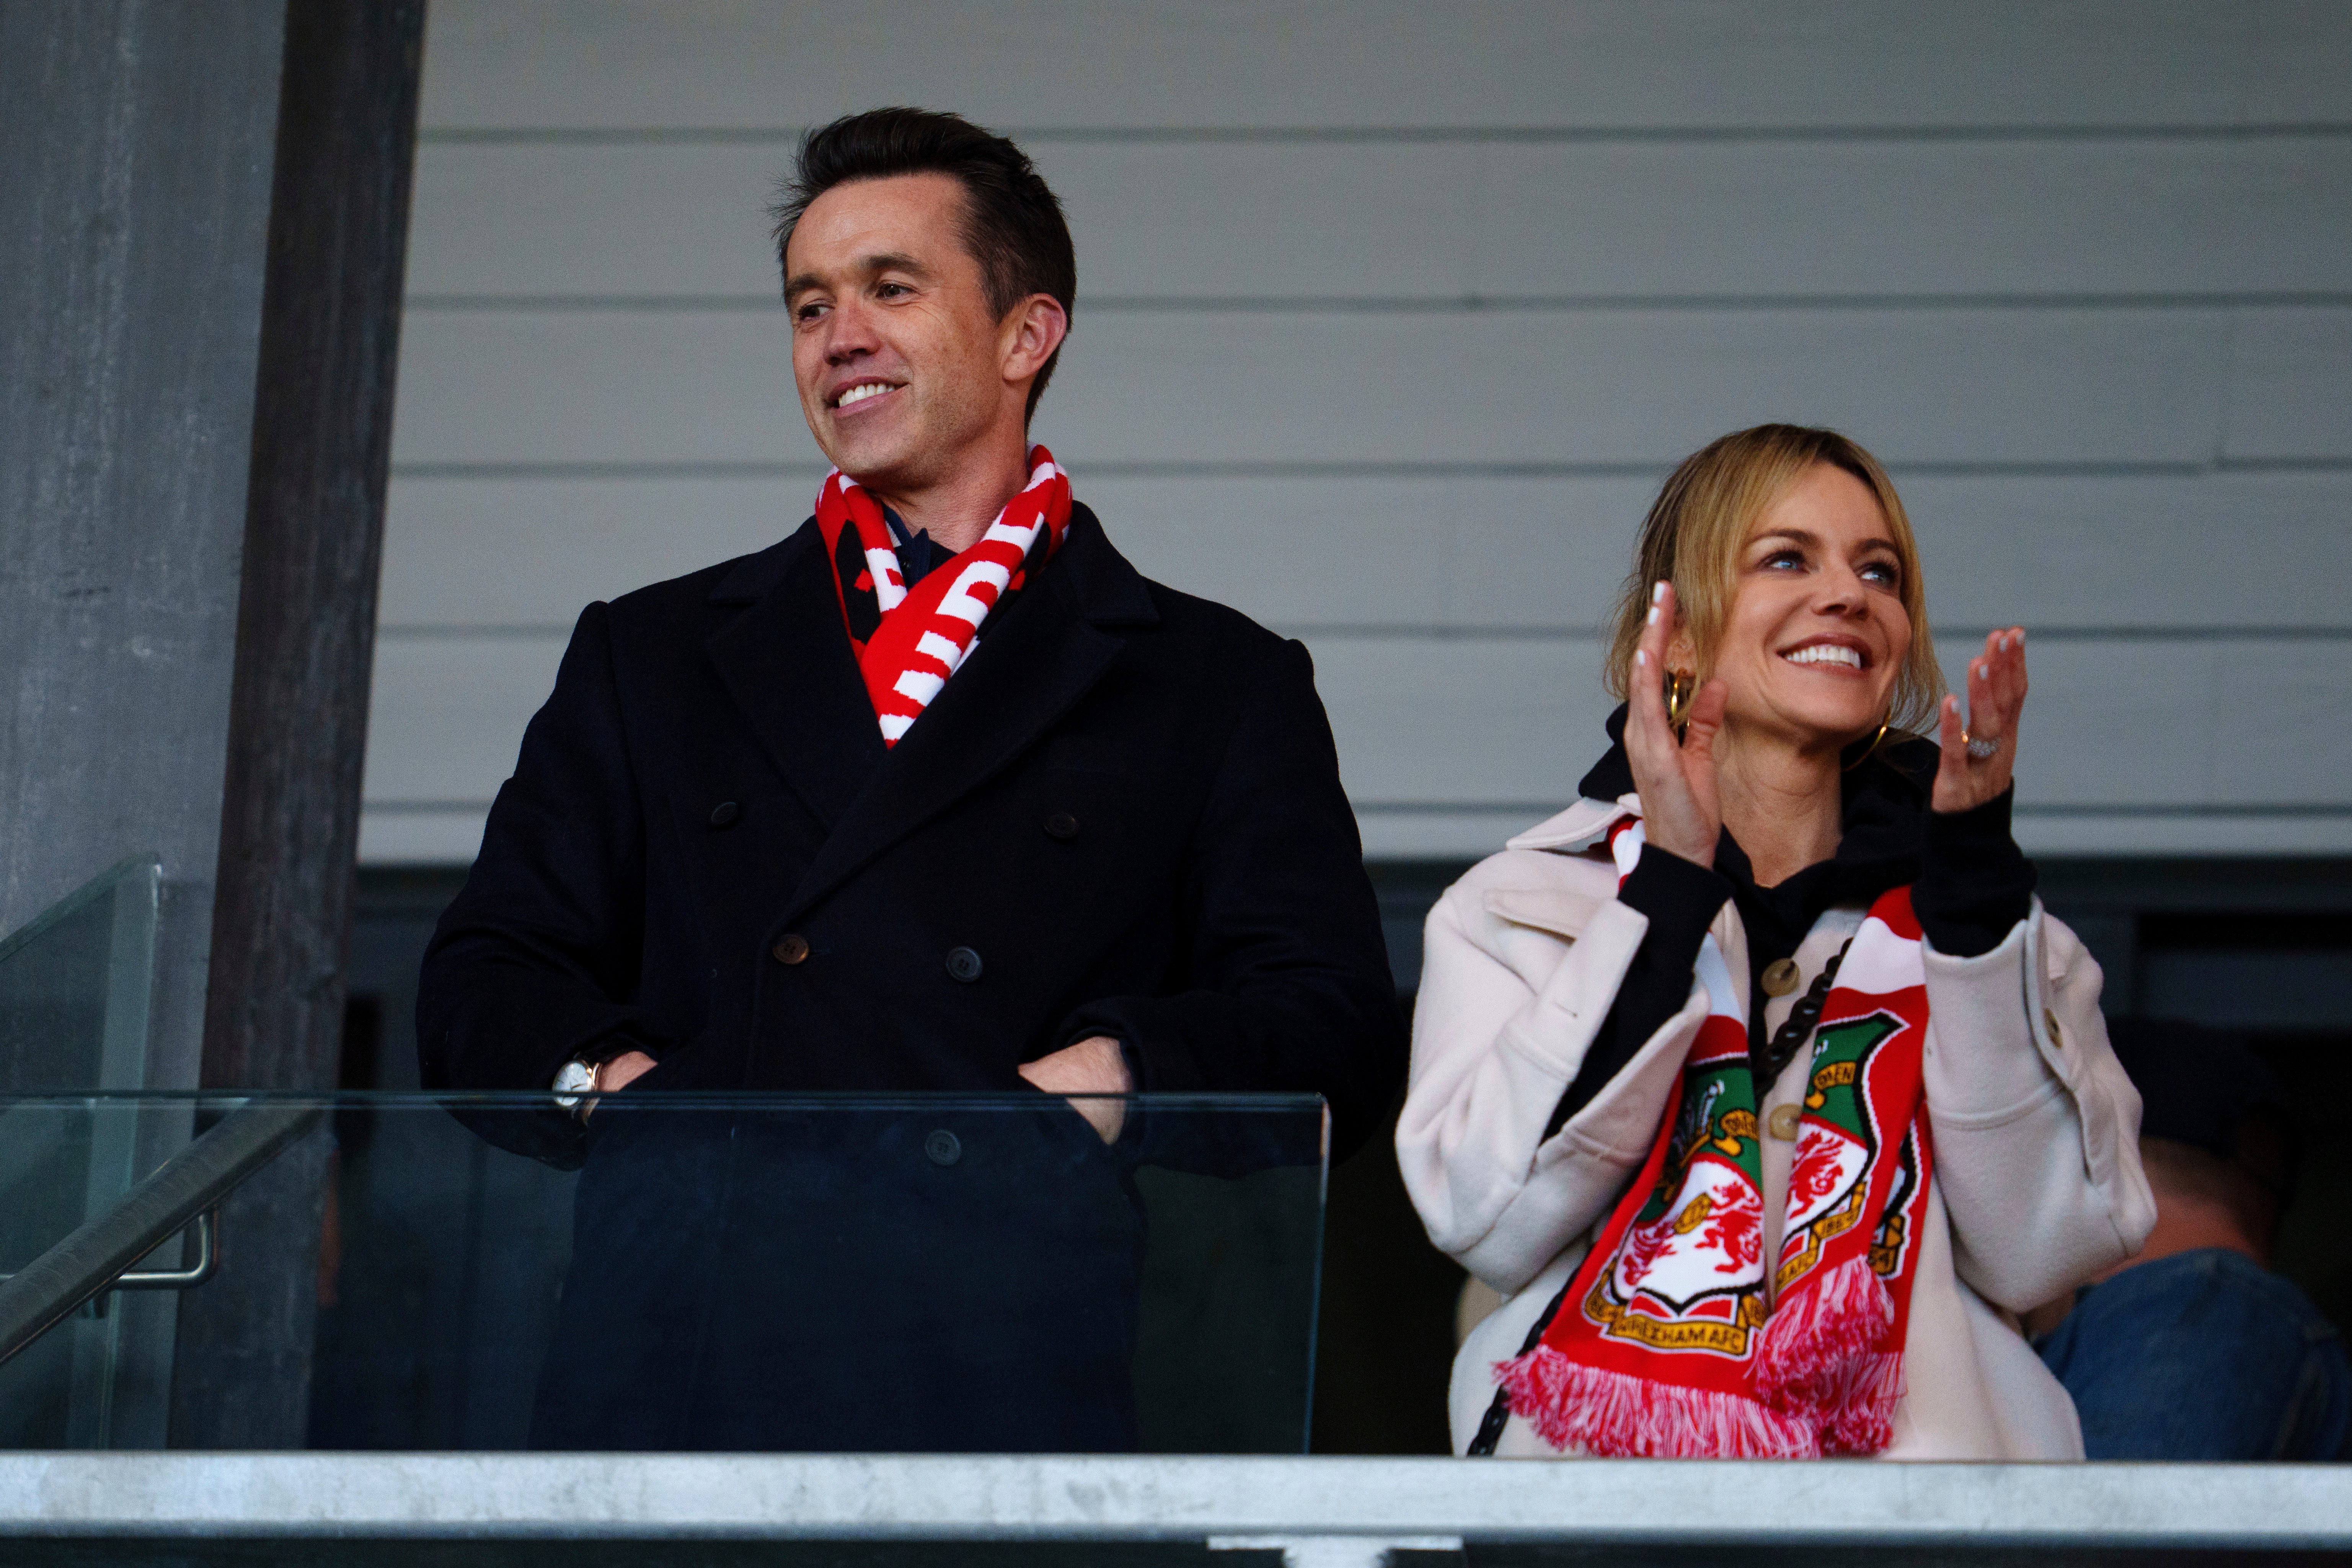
<point>1391,316</point>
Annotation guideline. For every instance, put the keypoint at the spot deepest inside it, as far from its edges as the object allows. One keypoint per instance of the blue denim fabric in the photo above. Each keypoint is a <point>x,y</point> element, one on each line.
<point>2203,1355</point>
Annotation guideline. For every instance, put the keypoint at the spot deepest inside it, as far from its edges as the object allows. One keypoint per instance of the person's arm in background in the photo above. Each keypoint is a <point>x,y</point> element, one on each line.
<point>529,965</point>
<point>1290,989</point>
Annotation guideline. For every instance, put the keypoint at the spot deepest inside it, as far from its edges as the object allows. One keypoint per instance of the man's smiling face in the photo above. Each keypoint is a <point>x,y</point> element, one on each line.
<point>898,357</point>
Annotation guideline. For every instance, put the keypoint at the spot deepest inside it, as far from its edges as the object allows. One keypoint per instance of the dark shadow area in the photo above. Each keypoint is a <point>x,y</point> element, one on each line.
<point>1384,1348</point>
<point>2315,1244</point>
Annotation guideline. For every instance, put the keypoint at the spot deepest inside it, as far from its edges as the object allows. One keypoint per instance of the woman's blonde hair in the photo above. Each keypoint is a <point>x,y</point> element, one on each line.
<point>1700,524</point>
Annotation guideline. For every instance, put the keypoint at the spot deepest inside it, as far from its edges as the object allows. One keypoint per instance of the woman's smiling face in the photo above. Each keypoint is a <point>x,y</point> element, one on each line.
<point>1816,634</point>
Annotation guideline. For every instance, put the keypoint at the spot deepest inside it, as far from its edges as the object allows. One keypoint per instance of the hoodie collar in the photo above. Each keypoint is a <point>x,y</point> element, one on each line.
<point>1884,797</point>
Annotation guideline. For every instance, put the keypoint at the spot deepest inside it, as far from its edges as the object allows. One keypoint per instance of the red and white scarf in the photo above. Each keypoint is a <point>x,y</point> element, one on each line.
<point>1668,1343</point>
<point>909,641</point>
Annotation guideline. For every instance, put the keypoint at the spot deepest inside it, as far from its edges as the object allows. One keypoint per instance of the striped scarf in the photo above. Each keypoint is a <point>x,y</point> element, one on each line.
<point>909,641</point>
<point>1667,1344</point>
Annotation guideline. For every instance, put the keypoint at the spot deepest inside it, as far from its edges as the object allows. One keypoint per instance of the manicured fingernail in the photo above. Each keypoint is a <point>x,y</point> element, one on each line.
<point>1658,592</point>
<point>1640,655</point>
<point>1652,619</point>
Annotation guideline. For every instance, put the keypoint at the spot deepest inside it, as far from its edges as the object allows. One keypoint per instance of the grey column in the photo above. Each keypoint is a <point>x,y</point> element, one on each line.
<point>135,142</point>
<point>297,722</point>
<point>203,221</point>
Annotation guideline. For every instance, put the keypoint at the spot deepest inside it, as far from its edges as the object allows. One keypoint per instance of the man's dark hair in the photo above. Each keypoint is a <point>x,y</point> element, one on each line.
<point>1012,224</point>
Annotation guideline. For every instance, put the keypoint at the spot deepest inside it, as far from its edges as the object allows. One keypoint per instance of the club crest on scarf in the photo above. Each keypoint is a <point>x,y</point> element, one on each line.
<point>1669,1342</point>
<point>907,642</point>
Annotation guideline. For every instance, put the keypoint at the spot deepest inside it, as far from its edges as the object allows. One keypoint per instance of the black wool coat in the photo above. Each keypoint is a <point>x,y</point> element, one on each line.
<point>1122,815</point>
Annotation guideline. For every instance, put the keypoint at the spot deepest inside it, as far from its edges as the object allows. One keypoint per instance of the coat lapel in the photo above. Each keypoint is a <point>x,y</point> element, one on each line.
<point>1050,649</point>
<point>786,662</point>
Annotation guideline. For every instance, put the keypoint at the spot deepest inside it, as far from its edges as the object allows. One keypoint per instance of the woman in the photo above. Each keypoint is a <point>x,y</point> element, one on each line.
<point>1758,1081</point>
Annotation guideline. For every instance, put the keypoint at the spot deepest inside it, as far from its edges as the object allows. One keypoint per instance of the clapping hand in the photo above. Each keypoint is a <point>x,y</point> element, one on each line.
<point>1996,696</point>
<point>1682,811</point>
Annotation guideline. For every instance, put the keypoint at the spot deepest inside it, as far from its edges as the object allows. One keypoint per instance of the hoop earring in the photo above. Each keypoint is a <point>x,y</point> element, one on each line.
<point>1681,687</point>
<point>1872,750</point>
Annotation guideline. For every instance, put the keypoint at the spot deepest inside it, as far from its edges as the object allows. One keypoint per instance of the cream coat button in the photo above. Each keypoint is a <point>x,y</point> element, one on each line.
<point>1782,1124</point>
<point>1779,977</point>
<point>2057,1036</point>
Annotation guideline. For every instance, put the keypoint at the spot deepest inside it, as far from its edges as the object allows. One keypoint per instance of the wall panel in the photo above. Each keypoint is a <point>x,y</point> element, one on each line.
<point>1550,387</point>
<point>2291,386</point>
<point>1395,315</point>
<point>1400,219</point>
<point>2190,552</point>
<point>1310,64</point>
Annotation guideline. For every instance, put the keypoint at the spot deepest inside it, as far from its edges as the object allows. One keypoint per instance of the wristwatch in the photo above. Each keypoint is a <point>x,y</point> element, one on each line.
<point>576,1080</point>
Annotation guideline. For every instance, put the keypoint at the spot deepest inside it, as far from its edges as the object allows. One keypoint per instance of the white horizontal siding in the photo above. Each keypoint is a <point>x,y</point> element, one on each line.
<point>1391,317</point>
<point>1555,386</point>
<point>1309,64</point>
<point>1314,221</point>
<point>2198,552</point>
<point>2291,386</point>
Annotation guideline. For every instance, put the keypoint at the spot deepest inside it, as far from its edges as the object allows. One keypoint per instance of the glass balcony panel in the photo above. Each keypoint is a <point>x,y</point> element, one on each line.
<point>75,984</point>
<point>715,1273</point>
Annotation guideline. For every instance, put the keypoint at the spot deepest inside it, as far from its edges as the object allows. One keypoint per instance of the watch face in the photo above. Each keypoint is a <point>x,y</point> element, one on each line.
<point>574,1078</point>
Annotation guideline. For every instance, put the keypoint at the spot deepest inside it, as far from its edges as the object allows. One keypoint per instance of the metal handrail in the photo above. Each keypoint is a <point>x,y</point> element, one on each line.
<point>98,1254</point>
<point>207,1263</point>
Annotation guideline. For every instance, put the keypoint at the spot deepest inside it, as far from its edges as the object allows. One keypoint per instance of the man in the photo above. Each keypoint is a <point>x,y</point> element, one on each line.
<point>938,793</point>
<point>2195,1349</point>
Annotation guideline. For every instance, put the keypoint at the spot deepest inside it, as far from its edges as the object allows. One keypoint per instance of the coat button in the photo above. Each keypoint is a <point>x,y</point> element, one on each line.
<point>1062,825</point>
<point>791,949</point>
<point>963,964</point>
<point>943,1148</point>
<point>724,814</point>
<point>1782,1122</point>
<point>2057,1036</point>
<point>1779,977</point>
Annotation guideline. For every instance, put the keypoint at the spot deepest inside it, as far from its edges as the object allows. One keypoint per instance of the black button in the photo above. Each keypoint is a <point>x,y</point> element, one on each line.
<point>724,814</point>
<point>963,964</point>
<point>1062,824</point>
<point>791,949</point>
<point>943,1148</point>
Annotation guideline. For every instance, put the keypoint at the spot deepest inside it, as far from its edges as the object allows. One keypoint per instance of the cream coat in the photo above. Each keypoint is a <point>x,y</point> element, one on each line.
<point>2037,1181</point>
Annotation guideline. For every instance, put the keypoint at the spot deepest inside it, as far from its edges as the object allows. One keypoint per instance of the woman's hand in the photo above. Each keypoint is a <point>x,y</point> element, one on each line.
<point>1681,811</point>
<point>1996,698</point>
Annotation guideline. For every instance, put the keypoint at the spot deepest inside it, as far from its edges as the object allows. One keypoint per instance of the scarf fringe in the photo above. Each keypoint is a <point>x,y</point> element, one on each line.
<point>1862,1423</point>
<point>1614,1414</point>
<point>1820,1336</point>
